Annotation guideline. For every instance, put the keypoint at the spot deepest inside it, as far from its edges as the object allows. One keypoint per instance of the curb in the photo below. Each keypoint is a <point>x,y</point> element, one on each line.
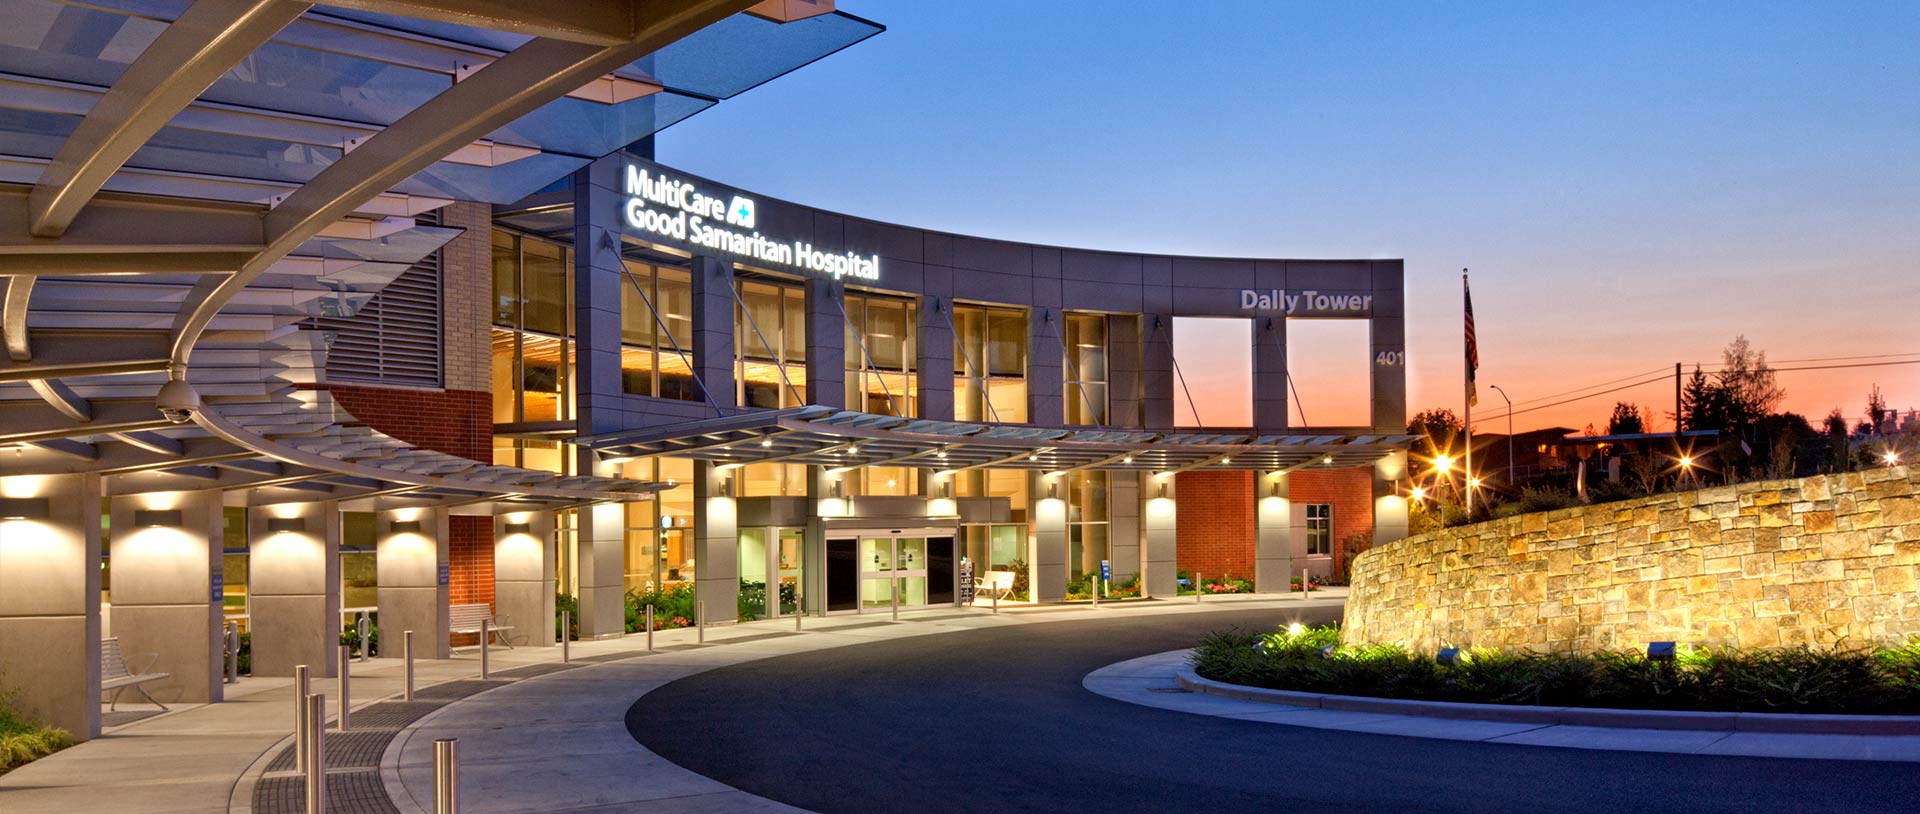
<point>1775,722</point>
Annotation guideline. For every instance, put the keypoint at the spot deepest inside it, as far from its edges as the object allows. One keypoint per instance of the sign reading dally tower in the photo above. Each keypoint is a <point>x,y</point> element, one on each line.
<point>664,206</point>
<point>1308,303</point>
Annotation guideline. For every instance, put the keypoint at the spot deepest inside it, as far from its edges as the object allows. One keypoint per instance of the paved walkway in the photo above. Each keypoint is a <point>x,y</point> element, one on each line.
<point>1149,681</point>
<point>214,758</point>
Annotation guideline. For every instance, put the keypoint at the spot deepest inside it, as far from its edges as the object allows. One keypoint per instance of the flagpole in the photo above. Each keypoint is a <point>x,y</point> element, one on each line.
<point>1467,385</point>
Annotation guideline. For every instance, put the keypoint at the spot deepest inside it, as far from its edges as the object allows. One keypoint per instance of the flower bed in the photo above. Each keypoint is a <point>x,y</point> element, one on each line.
<point>1883,681</point>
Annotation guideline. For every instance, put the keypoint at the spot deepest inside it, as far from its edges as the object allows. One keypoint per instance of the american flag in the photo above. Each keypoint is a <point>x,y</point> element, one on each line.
<point>1473,345</point>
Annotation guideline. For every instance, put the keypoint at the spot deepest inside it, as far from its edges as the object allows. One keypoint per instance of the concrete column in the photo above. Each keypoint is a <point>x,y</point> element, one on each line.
<point>166,598</point>
<point>523,576</point>
<point>813,544</point>
<point>716,542</point>
<point>411,568</point>
<point>598,276</point>
<point>1046,377</point>
<point>934,362</point>
<point>1123,524</point>
<point>1273,533</point>
<point>1123,371</point>
<point>1389,502</point>
<point>602,568</point>
<point>826,344</point>
<point>713,310</point>
<point>1047,565</point>
<point>1270,373</point>
<point>294,587</point>
<point>1157,541</point>
<point>1156,372</point>
<point>1389,344</point>
<point>50,601</point>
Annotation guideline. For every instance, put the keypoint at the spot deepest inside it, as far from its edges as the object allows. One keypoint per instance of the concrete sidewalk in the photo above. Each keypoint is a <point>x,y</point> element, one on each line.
<point>210,758</point>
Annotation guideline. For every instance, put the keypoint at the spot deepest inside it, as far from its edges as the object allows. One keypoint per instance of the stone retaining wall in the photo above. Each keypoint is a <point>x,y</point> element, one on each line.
<point>1824,560</point>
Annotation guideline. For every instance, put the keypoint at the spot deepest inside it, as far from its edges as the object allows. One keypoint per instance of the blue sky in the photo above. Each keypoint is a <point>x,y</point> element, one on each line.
<point>1632,184</point>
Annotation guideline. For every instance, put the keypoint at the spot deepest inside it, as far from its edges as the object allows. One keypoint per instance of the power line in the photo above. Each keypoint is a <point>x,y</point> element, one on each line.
<point>1661,369</point>
<point>1656,379</point>
<point>1818,359</point>
<point>1664,378</point>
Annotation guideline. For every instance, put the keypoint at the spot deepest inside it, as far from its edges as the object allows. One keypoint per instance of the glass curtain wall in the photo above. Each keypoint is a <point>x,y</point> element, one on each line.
<point>656,343</point>
<point>989,364</point>
<point>1085,369</point>
<point>884,378</point>
<point>233,563</point>
<point>769,552</point>
<point>770,338</point>
<point>359,582</point>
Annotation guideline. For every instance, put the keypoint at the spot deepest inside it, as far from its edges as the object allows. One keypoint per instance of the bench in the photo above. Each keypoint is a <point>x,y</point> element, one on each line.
<point>115,676</point>
<point>466,619</point>
<point>993,584</point>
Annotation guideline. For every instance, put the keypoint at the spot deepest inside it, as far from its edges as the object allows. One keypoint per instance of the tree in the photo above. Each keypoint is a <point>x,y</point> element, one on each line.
<point>1628,419</point>
<point>1436,432</point>
<point>1750,386</point>
<point>1836,427</point>
<point>1703,402</point>
<point>1876,409</point>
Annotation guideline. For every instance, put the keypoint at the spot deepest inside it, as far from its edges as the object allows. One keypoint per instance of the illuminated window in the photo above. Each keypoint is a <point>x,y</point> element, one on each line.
<point>1319,528</point>
<point>659,536</point>
<point>533,348</point>
<point>882,348</point>
<point>989,364</point>
<point>1085,369</point>
<point>770,335</point>
<point>656,332</point>
<point>1086,522</point>
<point>359,583</point>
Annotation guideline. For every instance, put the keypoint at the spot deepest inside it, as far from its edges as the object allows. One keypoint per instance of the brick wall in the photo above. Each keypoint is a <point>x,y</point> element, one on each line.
<point>466,298</point>
<point>470,564</point>
<point>456,422</point>
<point>1350,491</point>
<point>1213,523</point>
<point>1827,560</point>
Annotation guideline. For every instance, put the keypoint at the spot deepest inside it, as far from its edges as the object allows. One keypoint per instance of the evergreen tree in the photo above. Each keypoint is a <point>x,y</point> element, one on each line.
<point>1628,419</point>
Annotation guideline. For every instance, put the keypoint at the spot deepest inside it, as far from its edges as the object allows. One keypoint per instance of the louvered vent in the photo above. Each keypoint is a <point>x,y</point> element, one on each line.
<point>395,339</point>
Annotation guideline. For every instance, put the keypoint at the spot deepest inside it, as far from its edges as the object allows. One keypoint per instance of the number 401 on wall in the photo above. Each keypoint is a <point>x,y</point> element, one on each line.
<point>1390,357</point>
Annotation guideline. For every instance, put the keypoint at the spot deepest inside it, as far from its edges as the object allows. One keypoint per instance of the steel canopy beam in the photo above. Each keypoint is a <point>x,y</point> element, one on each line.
<point>206,41</point>
<point>513,86</point>
<point>145,260</point>
<point>598,22</point>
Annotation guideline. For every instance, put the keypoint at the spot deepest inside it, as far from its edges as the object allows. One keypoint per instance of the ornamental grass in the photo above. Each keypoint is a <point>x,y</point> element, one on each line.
<point>1858,680</point>
<point>23,741</point>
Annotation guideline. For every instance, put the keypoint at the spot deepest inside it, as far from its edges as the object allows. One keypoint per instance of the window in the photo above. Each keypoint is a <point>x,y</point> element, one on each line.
<point>233,561</point>
<point>533,348</point>
<point>359,580</point>
<point>989,364</point>
<point>1319,528</point>
<point>659,539</point>
<point>656,332</point>
<point>770,335</point>
<point>1086,522</point>
<point>1085,369</point>
<point>1213,372</point>
<point>882,349</point>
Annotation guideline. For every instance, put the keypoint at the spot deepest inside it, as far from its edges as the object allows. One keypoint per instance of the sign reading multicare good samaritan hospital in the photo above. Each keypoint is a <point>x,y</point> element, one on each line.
<point>1308,303</point>
<point>664,206</point>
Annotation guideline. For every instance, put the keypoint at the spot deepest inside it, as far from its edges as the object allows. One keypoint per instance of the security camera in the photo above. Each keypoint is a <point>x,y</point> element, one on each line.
<point>178,401</point>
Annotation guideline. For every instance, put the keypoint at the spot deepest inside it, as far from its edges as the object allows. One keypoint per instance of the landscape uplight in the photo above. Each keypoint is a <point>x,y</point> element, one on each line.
<point>1443,463</point>
<point>1892,457</point>
<point>1419,493</point>
<point>1296,629</point>
<point>1473,483</point>
<point>1686,462</point>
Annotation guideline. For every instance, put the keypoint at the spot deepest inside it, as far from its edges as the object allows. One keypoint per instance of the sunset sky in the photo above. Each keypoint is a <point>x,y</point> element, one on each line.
<point>1632,184</point>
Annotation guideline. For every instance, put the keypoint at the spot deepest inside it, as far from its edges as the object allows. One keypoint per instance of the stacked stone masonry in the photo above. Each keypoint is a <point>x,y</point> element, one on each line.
<point>1822,561</point>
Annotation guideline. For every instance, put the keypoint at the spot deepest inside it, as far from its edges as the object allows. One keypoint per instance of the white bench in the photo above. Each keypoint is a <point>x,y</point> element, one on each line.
<point>115,676</point>
<point>466,619</point>
<point>993,584</point>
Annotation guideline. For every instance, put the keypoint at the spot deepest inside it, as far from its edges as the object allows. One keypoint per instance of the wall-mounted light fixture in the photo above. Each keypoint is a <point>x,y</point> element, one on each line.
<point>1163,488</point>
<point>839,488</point>
<point>946,488</point>
<point>282,525</point>
<point>1053,489</point>
<point>24,508</point>
<point>152,518</point>
<point>519,528</point>
<point>1661,651</point>
<point>405,527</point>
<point>1273,484</point>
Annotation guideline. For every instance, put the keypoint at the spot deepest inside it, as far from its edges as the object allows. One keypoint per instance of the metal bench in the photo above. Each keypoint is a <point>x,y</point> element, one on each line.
<point>115,677</point>
<point>993,585</point>
<point>466,619</point>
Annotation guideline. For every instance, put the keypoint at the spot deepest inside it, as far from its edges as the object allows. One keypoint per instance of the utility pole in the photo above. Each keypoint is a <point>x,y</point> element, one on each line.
<point>1676,402</point>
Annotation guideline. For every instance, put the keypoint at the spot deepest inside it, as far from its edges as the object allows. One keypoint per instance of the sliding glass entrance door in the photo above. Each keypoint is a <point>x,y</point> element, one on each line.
<point>878,572</point>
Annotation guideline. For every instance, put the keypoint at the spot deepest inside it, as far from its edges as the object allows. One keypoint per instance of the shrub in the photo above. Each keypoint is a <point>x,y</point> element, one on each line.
<point>23,741</point>
<point>1796,679</point>
<point>349,636</point>
<point>673,606</point>
<point>570,605</point>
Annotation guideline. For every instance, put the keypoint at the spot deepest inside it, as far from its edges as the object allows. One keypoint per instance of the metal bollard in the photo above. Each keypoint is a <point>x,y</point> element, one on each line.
<point>649,628</point>
<point>1095,584</point>
<point>365,628</point>
<point>700,620</point>
<point>1199,586</point>
<point>895,584</point>
<point>346,657</point>
<point>798,614</point>
<point>406,640</point>
<point>300,735</point>
<point>446,776</point>
<point>566,637</point>
<point>996,601</point>
<point>485,633</point>
<point>316,768</point>
<point>233,652</point>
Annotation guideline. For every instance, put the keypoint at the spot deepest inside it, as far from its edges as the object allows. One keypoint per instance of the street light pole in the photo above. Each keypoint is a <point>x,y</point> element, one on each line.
<point>1503,397</point>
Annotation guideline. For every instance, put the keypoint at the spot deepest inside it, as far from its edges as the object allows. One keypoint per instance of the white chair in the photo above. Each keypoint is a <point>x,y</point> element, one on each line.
<point>115,676</point>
